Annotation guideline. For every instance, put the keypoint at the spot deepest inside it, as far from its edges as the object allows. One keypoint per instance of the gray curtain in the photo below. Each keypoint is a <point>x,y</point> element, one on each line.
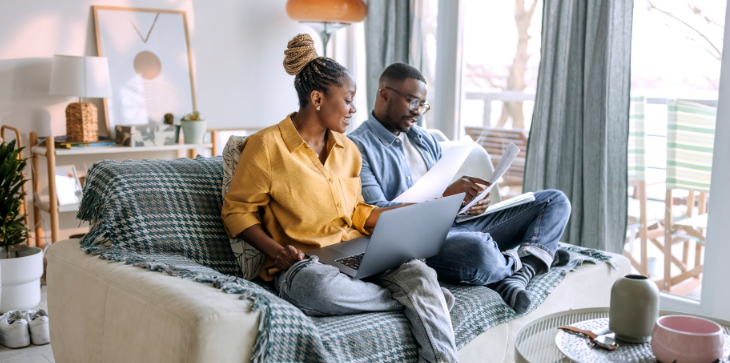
<point>579,135</point>
<point>387,36</point>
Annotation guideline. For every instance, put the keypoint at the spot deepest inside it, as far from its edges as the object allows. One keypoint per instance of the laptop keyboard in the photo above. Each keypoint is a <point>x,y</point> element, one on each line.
<point>352,262</point>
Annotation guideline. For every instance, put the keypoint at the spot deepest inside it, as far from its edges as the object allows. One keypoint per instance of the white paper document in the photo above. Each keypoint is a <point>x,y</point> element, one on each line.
<point>507,158</point>
<point>436,180</point>
<point>494,208</point>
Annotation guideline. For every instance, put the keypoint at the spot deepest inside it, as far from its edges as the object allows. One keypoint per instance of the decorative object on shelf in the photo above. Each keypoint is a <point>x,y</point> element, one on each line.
<point>169,119</point>
<point>62,142</point>
<point>83,77</point>
<point>193,128</point>
<point>326,16</point>
<point>148,135</point>
<point>21,266</point>
<point>150,74</point>
<point>634,308</point>
<point>68,185</point>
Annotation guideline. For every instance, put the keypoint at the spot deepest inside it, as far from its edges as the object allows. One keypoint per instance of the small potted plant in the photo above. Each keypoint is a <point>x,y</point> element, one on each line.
<point>21,266</point>
<point>193,128</point>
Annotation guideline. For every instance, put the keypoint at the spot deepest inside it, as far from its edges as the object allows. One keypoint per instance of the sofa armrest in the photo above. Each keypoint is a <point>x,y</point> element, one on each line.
<point>105,311</point>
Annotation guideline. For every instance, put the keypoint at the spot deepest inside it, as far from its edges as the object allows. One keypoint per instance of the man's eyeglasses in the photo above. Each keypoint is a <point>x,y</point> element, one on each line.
<point>415,104</point>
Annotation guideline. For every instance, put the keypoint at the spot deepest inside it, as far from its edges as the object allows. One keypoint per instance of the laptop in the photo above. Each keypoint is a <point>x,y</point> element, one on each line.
<point>402,234</point>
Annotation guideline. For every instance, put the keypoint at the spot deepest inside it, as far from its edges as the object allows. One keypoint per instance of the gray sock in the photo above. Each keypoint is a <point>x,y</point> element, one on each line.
<point>513,289</point>
<point>562,257</point>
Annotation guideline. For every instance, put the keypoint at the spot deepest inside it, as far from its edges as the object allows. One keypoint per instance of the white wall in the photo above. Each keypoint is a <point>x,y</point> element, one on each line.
<point>237,49</point>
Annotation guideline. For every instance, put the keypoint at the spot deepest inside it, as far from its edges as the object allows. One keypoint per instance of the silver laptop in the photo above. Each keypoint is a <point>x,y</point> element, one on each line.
<point>402,234</point>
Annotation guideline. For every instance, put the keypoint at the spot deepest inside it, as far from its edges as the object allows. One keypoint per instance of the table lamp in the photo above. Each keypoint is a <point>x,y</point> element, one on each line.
<point>82,77</point>
<point>326,16</point>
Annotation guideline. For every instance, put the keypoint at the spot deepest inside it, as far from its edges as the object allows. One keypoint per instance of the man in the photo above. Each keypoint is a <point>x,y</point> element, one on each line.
<point>396,153</point>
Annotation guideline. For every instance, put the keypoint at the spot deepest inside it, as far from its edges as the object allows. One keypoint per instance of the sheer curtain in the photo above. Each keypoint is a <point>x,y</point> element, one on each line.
<point>578,141</point>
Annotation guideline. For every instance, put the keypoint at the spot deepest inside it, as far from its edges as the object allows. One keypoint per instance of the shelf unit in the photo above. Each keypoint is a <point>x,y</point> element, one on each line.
<point>48,150</point>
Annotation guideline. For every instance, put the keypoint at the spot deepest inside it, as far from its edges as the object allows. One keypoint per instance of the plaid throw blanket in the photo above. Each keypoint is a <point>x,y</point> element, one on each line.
<point>165,216</point>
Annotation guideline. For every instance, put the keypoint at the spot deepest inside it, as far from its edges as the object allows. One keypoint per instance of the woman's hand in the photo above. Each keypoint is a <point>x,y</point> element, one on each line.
<point>283,257</point>
<point>287,257</point>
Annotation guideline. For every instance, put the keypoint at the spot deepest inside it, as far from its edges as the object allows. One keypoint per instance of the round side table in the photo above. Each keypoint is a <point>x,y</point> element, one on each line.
<point>535,342</point>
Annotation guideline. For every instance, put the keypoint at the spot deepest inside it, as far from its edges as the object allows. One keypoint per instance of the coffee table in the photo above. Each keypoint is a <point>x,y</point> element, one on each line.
<point>535,342</point>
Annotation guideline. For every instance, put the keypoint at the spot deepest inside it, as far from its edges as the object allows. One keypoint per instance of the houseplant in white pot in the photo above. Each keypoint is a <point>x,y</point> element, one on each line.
<point>21,266</point>
<point>193,128</point>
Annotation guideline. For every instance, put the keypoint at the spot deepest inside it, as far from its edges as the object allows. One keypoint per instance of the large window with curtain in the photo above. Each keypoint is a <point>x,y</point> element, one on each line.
<point>501,55</point>
<point>675,82</point>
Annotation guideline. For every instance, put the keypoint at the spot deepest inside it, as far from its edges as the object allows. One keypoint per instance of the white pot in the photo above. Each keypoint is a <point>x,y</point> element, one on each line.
<point>194,131</point>
<point>21,280</point>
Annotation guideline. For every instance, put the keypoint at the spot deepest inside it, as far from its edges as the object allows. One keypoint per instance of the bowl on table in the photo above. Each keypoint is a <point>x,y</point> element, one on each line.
<point>686,339</point>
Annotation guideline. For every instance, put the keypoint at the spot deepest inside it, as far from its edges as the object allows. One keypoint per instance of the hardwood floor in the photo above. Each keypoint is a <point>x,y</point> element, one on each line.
<point>31,353</point>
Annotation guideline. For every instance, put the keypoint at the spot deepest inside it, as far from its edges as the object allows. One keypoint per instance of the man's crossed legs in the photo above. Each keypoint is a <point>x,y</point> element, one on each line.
<point>473,252</point>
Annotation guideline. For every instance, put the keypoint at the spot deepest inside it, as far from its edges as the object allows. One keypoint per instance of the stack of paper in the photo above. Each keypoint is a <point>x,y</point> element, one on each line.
<point>509,203</point>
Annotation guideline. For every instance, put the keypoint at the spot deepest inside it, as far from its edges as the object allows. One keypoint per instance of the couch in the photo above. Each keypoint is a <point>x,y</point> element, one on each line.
<point>105,311</point>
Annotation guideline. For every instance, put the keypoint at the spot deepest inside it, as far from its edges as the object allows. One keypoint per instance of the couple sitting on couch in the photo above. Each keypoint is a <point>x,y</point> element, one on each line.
<point>316,188</point>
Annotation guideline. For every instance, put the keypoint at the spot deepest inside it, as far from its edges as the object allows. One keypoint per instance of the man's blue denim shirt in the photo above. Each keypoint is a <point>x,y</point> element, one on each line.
<point>385,173</point>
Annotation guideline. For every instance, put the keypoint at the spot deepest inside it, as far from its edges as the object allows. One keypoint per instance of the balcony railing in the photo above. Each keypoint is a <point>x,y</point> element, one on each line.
<point>504,96</point>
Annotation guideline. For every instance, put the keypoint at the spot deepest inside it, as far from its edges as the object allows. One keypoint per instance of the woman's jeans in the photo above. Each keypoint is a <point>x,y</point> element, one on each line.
<point>473,253</point>
<point>322,290</point>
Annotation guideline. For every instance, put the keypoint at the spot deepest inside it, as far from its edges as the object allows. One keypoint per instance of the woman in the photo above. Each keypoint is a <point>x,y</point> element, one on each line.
<point>304,174</point>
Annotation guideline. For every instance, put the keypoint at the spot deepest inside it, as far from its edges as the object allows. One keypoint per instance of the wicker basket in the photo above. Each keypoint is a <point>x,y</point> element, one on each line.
<point>82,122</point>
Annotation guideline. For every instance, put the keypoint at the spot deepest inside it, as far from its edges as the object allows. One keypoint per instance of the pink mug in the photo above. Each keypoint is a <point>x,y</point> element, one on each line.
<point>686,339</point>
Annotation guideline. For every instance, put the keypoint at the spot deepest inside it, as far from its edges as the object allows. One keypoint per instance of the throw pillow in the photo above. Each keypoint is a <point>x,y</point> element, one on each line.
<point>248,257</point>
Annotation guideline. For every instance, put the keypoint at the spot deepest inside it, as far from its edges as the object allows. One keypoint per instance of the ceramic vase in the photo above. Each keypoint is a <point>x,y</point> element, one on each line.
<point>21,280</point>
<point>194,131</point>
<point>634,308</point>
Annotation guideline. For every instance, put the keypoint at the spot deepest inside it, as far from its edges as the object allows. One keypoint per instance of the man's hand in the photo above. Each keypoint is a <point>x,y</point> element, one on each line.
<point>468,185</point>
<point>480,206</point>
<point>288,256</point>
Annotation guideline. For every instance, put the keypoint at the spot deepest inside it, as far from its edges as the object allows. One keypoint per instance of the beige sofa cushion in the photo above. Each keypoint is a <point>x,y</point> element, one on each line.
<point>110,312</point>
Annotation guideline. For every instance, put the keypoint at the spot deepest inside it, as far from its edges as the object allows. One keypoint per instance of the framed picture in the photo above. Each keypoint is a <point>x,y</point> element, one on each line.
<point>68,186</point>
<point>149,64</point>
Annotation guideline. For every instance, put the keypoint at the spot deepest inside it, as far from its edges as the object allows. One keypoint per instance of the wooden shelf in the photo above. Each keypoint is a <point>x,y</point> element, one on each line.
<point>48,203</point>
<point>41,149</point>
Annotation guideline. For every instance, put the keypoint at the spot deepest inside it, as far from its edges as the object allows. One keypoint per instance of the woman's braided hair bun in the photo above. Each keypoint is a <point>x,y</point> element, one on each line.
<point>311,73</point>
<point>299,52</point>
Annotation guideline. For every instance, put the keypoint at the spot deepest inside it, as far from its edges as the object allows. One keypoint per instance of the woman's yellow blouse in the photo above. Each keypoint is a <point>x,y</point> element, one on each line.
<point>304,203</point>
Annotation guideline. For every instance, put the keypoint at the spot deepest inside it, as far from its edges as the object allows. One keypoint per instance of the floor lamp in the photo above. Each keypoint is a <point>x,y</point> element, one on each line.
<point>326,16</point>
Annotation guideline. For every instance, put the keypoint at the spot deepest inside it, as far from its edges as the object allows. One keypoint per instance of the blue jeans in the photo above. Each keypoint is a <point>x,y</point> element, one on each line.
<point>473,253</point>
<point>322,290</point>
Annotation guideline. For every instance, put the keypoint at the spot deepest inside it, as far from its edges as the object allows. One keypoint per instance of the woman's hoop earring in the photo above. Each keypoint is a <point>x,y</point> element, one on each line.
<point>318,108</point>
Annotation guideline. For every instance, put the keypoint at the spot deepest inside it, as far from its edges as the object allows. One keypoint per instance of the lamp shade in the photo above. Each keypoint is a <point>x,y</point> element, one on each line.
<point>334,11</point>
<point>86,77</point>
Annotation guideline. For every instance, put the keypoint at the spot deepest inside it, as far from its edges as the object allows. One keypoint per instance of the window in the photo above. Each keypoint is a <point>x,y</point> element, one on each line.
<point>675,80</point>
<point>501,56</point>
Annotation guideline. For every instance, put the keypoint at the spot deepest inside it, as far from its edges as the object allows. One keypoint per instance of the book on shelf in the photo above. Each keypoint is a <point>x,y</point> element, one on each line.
<point>62,143</point>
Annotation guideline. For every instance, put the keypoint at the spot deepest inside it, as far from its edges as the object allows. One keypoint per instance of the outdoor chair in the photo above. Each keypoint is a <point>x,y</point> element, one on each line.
<point>690,139</point>
<point>495,140</point>
<point>646,217</point>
